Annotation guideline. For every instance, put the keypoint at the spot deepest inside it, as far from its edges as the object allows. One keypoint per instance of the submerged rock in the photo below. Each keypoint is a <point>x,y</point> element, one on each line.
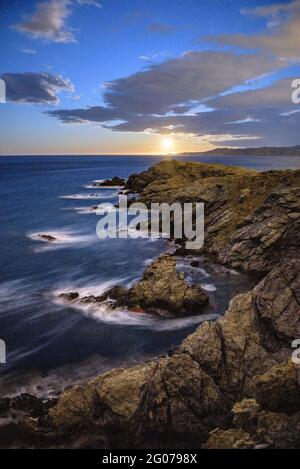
<point>45,237</point>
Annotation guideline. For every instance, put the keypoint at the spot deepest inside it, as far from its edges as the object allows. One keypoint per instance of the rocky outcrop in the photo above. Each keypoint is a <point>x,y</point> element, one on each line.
<point>263,239</point>
<point>114,182</point>
<point>177,401</point>
<point>273,421</point>
<point>251,218</point>
<point>162,291</point>
<point>231,383</point>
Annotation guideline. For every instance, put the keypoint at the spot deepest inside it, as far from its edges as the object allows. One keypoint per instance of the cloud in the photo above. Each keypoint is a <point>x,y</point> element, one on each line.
<point>282,39</point>
<point>194,95</point>
<point>28,51</point>
<point>173,87</point>
<point>276,95</point>
<point>98,114</point>
<point>35,88</point>
<point>161,28</point>
<point>192,77</point>
<point>48,22</point>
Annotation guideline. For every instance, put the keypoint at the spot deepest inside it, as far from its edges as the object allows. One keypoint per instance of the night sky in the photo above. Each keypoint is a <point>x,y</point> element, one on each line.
<point>147,76</point>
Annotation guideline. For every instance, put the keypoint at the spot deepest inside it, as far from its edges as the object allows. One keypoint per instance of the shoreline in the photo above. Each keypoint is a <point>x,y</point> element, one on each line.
<point>272,192</point>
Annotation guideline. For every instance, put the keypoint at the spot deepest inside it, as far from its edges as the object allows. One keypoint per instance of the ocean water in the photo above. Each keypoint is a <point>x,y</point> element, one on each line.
<point>51,344</point>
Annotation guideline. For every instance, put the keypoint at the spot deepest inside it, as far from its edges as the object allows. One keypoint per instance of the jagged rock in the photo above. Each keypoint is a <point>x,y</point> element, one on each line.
<point>48,238</point>
<point>252,219</point>
<point>115,181</point>
<point>279,388</point>
<point>162,291</point>
<point>177,401</point>
<point>245,415</point>
<point>279,431</point>
<point>229,439</point>
<point>272,233</point>
<point>113,396</point>
<point>69,296</point>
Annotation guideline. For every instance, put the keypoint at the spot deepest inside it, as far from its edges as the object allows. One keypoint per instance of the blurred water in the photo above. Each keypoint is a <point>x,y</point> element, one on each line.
<point>44,335</point>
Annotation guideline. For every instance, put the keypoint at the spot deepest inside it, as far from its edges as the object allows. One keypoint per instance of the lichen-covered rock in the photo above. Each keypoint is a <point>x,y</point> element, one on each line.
<point>245,415</point>
<point>212,379</point>
<point>179,404</point>
<point>252,218</point>
<point>162,291</point>
<point>115,394</point>
<point>278,430</point>
<point>272,233</point>
<point>279,388</point>
<point>229,439</point>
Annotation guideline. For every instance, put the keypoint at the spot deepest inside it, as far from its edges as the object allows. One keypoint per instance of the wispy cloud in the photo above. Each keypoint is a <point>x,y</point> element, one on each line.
<point>161,28</point>
<point>28,51</point>
<point>282,39</point>
<point>49,20</point>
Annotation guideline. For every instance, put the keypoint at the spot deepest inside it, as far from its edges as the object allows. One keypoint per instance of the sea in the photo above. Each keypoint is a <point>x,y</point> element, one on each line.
<point>51,344</point>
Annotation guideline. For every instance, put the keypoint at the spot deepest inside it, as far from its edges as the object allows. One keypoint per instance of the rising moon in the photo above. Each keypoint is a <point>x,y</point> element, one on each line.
<point>167,144</point>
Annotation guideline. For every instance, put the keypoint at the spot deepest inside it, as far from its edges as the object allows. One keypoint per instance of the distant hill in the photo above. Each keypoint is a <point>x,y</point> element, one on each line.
<point>262,151</point>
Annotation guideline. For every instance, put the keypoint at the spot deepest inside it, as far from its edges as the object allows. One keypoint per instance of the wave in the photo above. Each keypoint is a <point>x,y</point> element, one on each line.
<point>102,312</point>
<point>60,239</point>
<point>93,209</point>
<point>209,287</point>
<point>92,186</point>
<point>13,295</point>
<point>143,320</point>
<point>89,196</point>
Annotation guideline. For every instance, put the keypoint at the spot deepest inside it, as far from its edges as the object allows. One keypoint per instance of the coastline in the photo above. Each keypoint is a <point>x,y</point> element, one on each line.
<point>187,395</point>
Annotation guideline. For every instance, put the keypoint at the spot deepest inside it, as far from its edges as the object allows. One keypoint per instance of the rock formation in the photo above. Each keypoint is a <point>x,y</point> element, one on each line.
<point>162,291</point>
<point>231,384</point>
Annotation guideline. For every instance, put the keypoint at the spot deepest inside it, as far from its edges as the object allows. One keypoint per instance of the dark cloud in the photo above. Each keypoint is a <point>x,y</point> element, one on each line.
<point>171,97</point>
<point>173,87</point>
<point>35,88</point>
<point>192,77</point>
<point>98,114</point>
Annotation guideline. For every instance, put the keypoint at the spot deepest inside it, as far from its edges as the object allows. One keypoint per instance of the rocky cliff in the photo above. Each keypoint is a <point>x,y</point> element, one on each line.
<point>231,384</point>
